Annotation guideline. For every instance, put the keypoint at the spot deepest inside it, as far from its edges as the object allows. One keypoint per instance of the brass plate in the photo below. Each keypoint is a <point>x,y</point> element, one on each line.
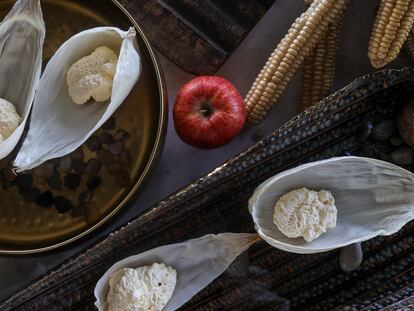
<point>28,228</point>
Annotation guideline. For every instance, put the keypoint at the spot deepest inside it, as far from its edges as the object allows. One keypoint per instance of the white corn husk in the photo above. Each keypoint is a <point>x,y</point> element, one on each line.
<point>372,198</point>
<point>58,126</point>
<point>22,34</point>
<point>197,262</point>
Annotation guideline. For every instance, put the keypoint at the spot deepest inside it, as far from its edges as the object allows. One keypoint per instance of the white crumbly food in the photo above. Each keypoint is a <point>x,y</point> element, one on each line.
<point>305,213</point>
<point>147,288</point>
<point>92,76</point>
<point>9,119</point>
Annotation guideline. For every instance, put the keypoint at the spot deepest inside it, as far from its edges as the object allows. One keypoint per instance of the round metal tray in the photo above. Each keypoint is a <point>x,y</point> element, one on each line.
<point>26,227</point>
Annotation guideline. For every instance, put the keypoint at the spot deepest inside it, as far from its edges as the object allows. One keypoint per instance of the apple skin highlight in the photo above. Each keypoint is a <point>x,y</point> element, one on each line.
<point>209,112</point>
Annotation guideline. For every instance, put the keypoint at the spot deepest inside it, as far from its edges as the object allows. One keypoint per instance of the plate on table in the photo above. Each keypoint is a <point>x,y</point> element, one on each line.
<point>91,185</point>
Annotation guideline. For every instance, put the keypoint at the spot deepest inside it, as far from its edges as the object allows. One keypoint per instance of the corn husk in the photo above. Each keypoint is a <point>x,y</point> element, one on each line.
<point>372,198</point>
<point>22,33</point>
<point>58,126</point>
<point>197,262</point>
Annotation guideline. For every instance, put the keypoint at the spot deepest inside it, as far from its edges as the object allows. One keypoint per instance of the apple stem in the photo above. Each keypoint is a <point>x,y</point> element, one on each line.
<point>206,110</point>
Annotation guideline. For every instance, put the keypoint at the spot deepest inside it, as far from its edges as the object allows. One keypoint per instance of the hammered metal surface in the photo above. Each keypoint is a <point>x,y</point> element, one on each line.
<point>26,227</point>
<point>275,280</point>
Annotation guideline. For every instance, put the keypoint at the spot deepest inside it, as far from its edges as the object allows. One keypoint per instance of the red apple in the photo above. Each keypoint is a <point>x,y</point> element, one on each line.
<point>209,112</point>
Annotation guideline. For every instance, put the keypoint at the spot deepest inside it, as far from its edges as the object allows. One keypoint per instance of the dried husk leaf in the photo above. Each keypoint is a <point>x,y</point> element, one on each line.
<point>22,33</point>
<point>58,126</point>
<point>198,262</point>
<point>372,197</point>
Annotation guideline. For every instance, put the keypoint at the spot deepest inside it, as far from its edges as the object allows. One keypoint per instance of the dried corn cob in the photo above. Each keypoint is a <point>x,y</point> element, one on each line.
<point>410,45</point>
<point>319,68</point>
<point>392,25</point>
<point>289,55</point>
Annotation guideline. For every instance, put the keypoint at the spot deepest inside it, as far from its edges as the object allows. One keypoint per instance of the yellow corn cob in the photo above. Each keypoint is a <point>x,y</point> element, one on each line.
<point>319,68</point>
<point>392,25</point>
<point>289,55</point>
<point>410,45</point>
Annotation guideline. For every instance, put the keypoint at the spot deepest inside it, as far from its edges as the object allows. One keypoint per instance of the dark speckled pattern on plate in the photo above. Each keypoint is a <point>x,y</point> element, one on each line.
<point>275,280</point>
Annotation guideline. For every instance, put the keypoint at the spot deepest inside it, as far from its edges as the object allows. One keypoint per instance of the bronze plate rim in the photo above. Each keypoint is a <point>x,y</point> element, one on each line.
<point>156,150</point>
